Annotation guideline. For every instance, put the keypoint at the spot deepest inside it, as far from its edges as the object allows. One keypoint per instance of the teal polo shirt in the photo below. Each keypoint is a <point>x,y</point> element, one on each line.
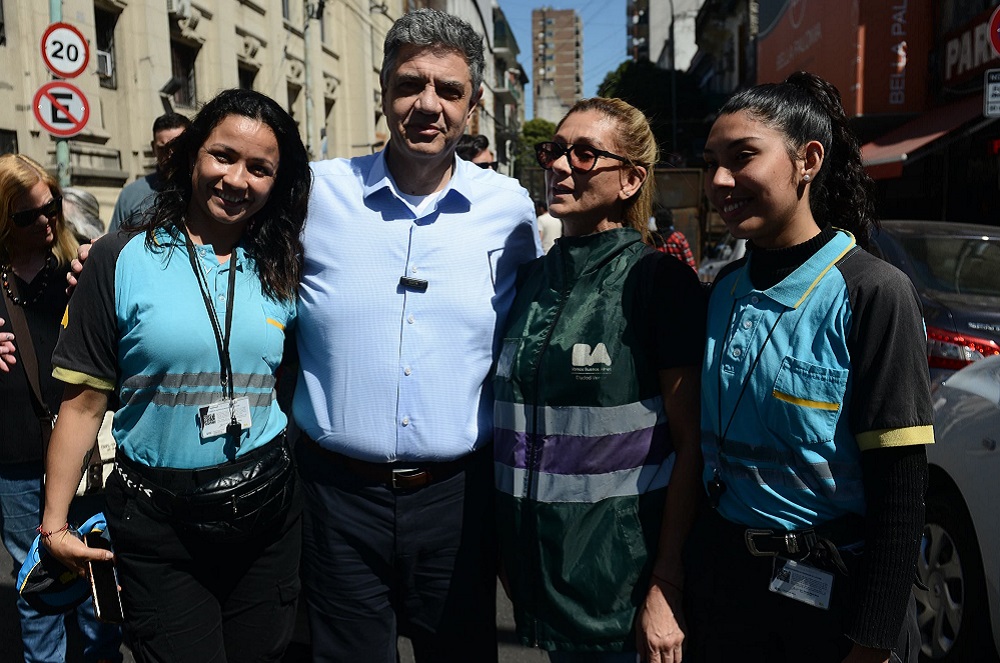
<point>137,324</point>
<point>800,379</point>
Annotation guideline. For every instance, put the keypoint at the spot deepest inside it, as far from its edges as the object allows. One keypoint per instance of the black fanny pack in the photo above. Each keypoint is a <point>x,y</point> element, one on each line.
<point>226,502</point>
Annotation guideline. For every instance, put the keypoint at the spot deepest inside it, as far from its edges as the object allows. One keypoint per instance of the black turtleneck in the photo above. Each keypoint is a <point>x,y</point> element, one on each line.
<point>769,266</point>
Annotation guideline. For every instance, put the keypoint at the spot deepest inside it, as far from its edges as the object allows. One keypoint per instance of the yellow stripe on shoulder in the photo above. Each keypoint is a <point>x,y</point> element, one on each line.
<point>76,377</point>
<point>65,318</point>
<point>272,321</point>
<point>896,437</point>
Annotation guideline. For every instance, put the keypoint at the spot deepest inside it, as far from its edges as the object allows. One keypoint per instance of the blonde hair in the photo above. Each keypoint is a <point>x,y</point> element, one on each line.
<point>634,140</point>
<point>18,174</point>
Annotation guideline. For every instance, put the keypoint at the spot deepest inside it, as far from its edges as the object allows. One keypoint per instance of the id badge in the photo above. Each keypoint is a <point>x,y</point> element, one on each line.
<point>802,582</point>
<point>215,417</point>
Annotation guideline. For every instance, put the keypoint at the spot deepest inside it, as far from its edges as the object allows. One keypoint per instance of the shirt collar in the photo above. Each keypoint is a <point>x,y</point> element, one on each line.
<point>793,290</point>
<point>379,178</point>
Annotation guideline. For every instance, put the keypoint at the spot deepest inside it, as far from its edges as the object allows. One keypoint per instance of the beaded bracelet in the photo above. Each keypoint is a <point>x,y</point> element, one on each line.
<point>46,535</point>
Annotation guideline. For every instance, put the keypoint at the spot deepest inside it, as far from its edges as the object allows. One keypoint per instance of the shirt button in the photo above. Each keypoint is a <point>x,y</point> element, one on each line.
<point>406,421</point>
<point>407,371</point>
<point>747,324</point>
<point>754,299</point>
<point>410,319</point>
<point>413,270</point>
<point>737,352</point>
<point>222,298</point>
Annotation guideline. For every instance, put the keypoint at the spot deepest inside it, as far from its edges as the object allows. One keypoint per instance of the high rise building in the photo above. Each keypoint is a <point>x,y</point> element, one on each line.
<point>557,61</point>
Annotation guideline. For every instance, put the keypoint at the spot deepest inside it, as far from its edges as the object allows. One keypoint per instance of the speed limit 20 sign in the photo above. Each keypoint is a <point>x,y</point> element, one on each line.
<point>64,50</point>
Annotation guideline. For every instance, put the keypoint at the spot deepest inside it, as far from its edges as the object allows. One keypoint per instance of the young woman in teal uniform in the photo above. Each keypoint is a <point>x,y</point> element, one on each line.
<point>184,319</point>
<point>815,400</point>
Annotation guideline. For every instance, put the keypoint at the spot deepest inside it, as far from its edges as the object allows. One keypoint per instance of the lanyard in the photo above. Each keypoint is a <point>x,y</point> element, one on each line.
<point>221,337</point>
<point>716,487</point>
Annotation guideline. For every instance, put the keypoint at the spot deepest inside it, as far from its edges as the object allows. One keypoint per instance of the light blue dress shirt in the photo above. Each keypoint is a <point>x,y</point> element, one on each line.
<point>389,372</point>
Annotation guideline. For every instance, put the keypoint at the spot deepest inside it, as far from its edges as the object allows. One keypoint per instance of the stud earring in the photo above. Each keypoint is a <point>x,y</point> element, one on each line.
<point>806,177</point>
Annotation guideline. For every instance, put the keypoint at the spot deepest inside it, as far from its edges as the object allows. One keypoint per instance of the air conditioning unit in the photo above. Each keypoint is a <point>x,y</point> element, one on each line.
<point>105,64</point>
<point>179,8</point>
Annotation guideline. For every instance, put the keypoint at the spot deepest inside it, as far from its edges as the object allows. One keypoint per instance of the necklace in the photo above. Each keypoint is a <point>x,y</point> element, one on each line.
<point>7,271</point>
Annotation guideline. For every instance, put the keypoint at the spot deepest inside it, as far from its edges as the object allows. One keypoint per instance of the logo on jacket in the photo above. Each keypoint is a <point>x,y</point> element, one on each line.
<point>589,363</point>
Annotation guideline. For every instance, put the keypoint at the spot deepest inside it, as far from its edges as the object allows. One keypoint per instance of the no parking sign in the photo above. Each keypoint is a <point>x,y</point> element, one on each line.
<point>61,109</point>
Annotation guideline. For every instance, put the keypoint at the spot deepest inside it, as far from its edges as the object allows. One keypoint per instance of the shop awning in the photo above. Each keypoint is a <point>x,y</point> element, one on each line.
<point>885,157</point>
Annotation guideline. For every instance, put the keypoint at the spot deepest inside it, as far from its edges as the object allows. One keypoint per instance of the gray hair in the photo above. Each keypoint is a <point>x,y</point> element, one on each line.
<point>433,28</point>
<point>81,211</point>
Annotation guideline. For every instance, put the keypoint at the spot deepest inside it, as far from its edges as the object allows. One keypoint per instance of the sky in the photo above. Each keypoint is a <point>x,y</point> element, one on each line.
<point>604,45</point>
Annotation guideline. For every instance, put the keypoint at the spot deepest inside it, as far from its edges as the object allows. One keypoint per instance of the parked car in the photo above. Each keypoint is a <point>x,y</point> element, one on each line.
<point>959,560</point>
<point>956,270</point>
<point>725,252</point>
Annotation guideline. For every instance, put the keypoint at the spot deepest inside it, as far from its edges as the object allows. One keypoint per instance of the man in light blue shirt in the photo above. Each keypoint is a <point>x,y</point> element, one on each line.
<point>410,261</point>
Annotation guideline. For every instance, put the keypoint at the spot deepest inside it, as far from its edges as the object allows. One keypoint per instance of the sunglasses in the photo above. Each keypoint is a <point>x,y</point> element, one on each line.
<point>582,158</point>
<point>489,164</point>
<point>49,210</point>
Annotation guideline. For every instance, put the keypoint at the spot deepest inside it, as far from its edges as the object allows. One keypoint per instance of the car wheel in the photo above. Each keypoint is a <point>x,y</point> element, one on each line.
<point>952,611</point>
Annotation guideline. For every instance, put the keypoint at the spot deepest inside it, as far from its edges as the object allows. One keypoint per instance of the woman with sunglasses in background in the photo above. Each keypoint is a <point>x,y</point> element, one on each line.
<point>596,414</point>
<point>36,247</point>
<point>476,148</point>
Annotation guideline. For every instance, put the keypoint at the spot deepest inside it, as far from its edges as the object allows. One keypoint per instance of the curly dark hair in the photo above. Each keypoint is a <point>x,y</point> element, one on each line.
<point>272,237</point>
<point>806,107</point>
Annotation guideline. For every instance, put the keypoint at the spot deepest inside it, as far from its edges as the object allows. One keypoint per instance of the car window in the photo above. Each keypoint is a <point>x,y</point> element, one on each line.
<point>960,265</point>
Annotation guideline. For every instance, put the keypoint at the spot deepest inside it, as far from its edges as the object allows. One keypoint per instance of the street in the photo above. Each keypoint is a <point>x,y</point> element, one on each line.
<point>298,651</point>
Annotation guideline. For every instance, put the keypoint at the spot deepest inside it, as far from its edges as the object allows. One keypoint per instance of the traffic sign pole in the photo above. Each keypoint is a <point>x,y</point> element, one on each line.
<point>62,145</point>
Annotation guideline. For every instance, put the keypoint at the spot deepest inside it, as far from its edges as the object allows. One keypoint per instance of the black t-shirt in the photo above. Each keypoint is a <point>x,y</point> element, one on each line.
<point>20,430</point>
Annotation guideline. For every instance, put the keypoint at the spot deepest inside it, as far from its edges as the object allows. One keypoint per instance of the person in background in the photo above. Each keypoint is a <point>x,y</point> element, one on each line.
<point>476,148</point>
<point>596,414</point>
<point>549,228</point>
<point>138,196</point>
<point>815,400</point>
<point>670,240</point>
<point>184,319</point>
<point>82,213</point>
<point>36,246</point>
<point>410,260</point>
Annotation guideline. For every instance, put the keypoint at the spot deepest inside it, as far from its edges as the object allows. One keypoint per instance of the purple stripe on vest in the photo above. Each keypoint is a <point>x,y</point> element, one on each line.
<point>576,454</point>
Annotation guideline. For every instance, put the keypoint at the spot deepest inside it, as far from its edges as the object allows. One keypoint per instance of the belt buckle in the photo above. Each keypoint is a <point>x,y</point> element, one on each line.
<point>401,477</point>
<point>749,535</point>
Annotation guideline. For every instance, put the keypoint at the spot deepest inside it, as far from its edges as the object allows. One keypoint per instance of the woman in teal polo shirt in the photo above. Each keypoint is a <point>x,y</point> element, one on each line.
<point>184,320</point>
<point>815,400</point>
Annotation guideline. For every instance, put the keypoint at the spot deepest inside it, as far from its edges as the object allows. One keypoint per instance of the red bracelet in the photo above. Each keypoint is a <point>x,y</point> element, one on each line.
<point>46,535</point>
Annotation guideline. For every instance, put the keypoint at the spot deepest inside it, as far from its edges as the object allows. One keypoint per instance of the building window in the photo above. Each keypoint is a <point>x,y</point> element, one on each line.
<point>104,24</point>
<point>286,10</point>
<point>3,27</point>
<point>247,76</point>
<point>8,141</point>
<point>294,92</point>
<point>183,62</point>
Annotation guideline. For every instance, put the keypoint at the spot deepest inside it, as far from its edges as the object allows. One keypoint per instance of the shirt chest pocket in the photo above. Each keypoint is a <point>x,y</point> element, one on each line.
<point>806,402</point>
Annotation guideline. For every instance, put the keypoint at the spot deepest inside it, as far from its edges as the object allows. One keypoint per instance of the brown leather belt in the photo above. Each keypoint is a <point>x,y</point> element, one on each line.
<point>399,475</point>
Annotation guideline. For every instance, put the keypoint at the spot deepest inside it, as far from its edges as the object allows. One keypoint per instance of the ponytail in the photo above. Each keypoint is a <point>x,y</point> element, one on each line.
<point>803,108</point>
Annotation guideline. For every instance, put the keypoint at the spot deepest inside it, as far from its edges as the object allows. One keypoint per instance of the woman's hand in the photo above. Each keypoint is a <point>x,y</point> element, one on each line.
<point>6,349</point>
<point>660,632</point>
<point>74,554</point>
<point>76,267</point>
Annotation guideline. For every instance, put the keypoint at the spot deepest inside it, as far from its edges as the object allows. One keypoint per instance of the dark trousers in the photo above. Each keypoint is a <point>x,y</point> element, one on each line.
<point>733,616</point>
<point>380,562</point>
<point>189,601</point>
